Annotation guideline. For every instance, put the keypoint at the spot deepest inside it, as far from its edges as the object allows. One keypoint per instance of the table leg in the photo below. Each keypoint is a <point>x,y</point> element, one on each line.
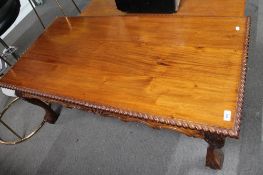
<point>51,116</point>
<point>215,155</point>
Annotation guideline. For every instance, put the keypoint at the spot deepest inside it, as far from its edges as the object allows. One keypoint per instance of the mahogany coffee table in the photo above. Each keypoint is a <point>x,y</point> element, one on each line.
<point>181,73</point>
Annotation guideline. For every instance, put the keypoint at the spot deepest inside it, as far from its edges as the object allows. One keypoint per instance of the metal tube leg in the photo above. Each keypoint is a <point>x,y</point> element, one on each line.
<point>10,129</point>
<point>7,62</point>
<point>7,47</point>
<point>40,20</point>
<point>60,7</point>
<point>4,64</point>
<point>19,138</point>
<point>3,43</point>
<point>76,6</point>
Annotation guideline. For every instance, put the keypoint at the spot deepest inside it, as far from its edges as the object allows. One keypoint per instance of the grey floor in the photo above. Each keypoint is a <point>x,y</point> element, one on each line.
<point>83,143</point>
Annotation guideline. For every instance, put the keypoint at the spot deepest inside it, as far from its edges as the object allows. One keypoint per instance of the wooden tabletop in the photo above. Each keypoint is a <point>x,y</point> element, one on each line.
<point>180,69</point>
<point>187,7</point>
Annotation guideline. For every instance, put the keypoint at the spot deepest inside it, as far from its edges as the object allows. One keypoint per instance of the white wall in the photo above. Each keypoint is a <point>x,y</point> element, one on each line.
<point>24,11</point>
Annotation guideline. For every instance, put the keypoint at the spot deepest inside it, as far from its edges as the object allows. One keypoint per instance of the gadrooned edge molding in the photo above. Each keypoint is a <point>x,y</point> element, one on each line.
<point>243,78</point>
<point>83,104</point>
<point>234,133</point>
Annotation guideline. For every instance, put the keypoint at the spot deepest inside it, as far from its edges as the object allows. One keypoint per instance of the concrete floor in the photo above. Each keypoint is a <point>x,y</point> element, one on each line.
<point>83,143</point>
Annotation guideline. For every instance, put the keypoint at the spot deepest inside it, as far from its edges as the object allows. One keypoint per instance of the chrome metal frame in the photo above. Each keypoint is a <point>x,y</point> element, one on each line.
<point>7,62</point>
<point>77,7</point>
<point>19,139</point>
<point>33,7</point>
<point>4,64</point>
<point>61,8</point>
<point>58,4</point>
<point>7,48</point>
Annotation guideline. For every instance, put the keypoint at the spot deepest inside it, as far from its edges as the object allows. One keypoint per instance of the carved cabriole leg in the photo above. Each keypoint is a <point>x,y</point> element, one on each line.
<point>215,155</point>
<point>50,116</point>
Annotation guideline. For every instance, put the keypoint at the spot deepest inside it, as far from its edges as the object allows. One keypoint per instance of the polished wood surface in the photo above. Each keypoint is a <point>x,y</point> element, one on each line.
<point>182,68</point>
<point>187,7</point>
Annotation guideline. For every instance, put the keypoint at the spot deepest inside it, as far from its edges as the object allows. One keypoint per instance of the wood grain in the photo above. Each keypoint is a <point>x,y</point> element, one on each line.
<point>185,69</point>
<point>187,8</point>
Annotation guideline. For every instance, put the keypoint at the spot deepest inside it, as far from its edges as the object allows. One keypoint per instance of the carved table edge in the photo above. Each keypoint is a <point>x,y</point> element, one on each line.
<point>113,111</point>
<point>241,90</point>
